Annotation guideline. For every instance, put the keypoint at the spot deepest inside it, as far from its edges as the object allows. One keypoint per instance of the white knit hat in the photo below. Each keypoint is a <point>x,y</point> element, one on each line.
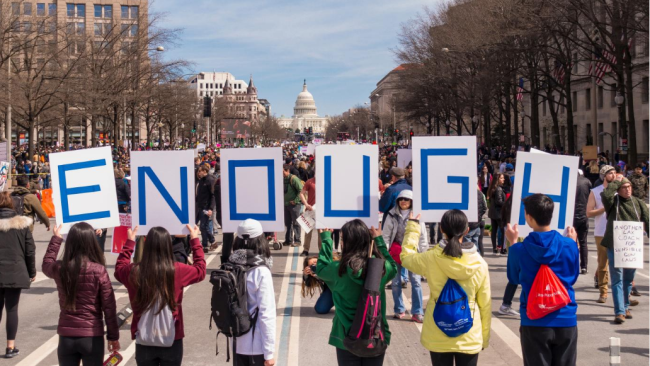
<point>407,193</point>
<point>249,227</point>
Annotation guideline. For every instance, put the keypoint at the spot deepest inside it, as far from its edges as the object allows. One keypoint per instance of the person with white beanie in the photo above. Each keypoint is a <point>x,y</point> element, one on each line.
<point>393,233</point>
<point>251,249</point>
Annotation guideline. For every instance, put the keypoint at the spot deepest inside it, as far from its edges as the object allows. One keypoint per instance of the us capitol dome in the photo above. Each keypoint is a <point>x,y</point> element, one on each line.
<point>304,114</point>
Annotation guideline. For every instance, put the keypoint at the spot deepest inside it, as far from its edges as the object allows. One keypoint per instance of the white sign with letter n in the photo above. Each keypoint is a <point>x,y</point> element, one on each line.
<point>347,186</point>
<point>83,188</point>
<point>252,188</point>
<point>553,175</point>
<point>444,176</point>
<point>162,190</point>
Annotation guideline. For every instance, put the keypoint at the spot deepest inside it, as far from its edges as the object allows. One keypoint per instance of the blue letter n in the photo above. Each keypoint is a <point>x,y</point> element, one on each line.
<point>561,199</point>
<point>65,192</point>
<point>182,213</point>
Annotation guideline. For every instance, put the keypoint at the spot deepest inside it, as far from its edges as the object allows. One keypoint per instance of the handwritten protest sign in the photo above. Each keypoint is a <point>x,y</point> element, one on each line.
<point>628,244</point>
<point>120,233</point>
<point>307,220</point>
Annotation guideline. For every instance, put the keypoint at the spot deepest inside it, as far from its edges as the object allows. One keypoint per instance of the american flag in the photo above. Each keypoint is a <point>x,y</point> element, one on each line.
<point>520,89</point>
<point>602,64</point>
<point>560,71</point>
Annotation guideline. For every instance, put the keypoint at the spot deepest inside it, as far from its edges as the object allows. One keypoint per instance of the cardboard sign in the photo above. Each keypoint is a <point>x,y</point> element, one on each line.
<point>553,175</point>
<point>252,187</point>
<point>162,190</point>
<point>307,220</point>
<point>628,244</point>
<point>347,185</point>
<point>444,176</point>
<point>120,233</point>
<point>83,188</point>
<point>590,152</point>
<point>404,157</point>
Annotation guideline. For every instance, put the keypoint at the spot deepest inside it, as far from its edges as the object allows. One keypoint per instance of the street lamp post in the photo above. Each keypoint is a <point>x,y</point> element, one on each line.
<point>620,100</point>
<point>613,136</point>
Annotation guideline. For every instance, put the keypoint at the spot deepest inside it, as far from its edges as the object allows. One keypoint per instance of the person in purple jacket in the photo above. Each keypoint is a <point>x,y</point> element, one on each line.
<point>552,339</point>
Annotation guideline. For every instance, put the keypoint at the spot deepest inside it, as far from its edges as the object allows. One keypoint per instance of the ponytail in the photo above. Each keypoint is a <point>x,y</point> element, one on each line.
<point>453,224</point>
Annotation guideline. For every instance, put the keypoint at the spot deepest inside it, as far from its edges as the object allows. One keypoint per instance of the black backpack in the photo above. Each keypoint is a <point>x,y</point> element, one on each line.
<point>229,303</point>
<point>366,335</point>
<point>19,203</point>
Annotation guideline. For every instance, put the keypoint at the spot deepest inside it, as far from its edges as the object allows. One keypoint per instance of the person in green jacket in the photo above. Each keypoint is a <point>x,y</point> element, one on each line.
<point>460,261</point>
<point>621,205</point>
<point>345,279</point>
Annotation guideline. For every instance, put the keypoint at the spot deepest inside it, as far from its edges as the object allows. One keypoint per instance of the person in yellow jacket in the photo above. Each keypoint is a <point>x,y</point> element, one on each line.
<point>458,260</point>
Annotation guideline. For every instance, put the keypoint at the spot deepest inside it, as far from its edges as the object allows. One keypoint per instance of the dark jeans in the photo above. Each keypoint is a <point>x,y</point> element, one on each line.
<point>89,350</point>
<point>480,238</point>
<point>325,302</point>
<point>346,358</point>
<point>9,298</point>
<point>543,346</point>
<point>291,213</point>
<point>228,239</point>
<point>246,360</point>
<point>207,237</point>
<point>101,240</point>
<point>582,228</point>
<point>159,356</point>
<point>497,240</point>
<point>448,358</point>
<point>509,294</point>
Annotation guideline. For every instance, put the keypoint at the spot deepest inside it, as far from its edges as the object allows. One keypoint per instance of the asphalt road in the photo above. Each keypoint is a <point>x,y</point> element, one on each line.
<point>302,334</point>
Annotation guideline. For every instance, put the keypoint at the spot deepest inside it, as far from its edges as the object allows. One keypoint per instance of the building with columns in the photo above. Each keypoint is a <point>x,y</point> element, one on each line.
<point>305,114</point>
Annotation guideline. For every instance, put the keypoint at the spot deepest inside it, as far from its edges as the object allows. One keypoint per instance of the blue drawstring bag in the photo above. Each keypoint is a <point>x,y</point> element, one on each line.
<point>452,313</point>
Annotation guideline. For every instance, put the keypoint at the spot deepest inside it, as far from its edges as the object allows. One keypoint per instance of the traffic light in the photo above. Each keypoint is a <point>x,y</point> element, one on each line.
<point>396,131</point>
<point>411,133</point>
<point>207,106</point>
<point>194,127</point>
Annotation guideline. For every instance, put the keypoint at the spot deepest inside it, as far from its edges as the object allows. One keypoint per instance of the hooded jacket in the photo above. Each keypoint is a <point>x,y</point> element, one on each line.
<point>582,197</point>
<point>560,254</point>
<point>17,250</point>
<point>389,232</point>
<point>346,289</point>
<point>471,273</point>
<point>32,206</point>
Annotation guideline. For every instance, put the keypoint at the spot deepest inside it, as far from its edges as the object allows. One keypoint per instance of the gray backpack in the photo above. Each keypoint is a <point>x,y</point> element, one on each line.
<point>157,330</point>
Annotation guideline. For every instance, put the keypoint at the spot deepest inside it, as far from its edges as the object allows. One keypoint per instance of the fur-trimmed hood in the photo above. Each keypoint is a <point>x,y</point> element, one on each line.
<point>14,222</point>
<point>249,258</point>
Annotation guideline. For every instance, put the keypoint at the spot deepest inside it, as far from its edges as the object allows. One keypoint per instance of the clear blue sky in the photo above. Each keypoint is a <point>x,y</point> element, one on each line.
<point>341,47</point>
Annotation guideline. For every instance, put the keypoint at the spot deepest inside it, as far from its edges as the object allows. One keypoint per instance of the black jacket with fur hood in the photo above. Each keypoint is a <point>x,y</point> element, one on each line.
<point>17,250</point>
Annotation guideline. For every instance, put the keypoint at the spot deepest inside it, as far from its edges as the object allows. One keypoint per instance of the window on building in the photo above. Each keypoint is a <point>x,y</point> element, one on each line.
<point>129,12</point>
<point>27,9</point>
<point>76,10</point>
<point>574,100</point>
<point>103,11</point>
<point>15,9</point>
<point>51,9</point>
<point>134,30</point>
<point>590,137</point>
<point>600,97</point>
<point>201,93</point>
<point>612,96</point>
<point>27,27</point>
<point>588,99</point>
<point>40,9</point>
<point>644,90</point>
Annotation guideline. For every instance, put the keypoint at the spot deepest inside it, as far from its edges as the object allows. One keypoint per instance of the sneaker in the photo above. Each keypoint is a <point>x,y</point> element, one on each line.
<point>294,245</point>
<point>11,352</point>
<point>508,310</point>
<point>595,280</point>
<point>634,302</point>
<point>214,245</point>
<point>628,314</point>
<point>399,315</point>
<point>304,253</point>
<point>389,285</point>
<point>583,271</point>
<point>602,299</point>
<point>417,318</point>
<point>206,249</point>
<point>635,292</point>
<point>404,285</point>
<point>619,319</point>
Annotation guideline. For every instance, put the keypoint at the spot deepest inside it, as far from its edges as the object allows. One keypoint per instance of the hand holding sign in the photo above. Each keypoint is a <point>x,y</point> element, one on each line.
<point>512,233</point>
<point>194,231</point>
<point>132,233</point>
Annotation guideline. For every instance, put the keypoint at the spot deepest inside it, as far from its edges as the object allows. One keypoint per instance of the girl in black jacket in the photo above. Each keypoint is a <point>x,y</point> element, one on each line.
<point>17,265</point>
<point>497,199</point>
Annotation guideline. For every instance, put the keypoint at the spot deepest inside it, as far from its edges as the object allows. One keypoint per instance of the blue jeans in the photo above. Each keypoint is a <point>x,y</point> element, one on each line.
<point>207,237</point>
<point>46,182</point>
<point>325,302</point>
<point>620,283</point>
<point>473,236</point>
<point>404,274</point>
<point>416,294</point>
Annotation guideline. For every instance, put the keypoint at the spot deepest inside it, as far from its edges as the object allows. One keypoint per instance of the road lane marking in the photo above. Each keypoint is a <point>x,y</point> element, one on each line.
<point>282,302</point>
<point>283,354</point>
<point>507,336</point>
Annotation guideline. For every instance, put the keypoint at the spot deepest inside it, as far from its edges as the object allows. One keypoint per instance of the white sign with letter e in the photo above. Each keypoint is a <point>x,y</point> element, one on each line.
<point>553,175</point>
<point>347,185</point>
<point>162,190</point>
<point>83,188</point>
<point>444,176</point>
<point>628,244</point>
<point>252,188</point>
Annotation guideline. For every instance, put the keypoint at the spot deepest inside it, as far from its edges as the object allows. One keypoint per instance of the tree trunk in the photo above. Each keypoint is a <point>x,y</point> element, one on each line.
<point>629,102</point>
<point>515,114</point>
<point>66,129</point>
<point>32,138</point>
<point>508,118</point>
<point>133,141</point>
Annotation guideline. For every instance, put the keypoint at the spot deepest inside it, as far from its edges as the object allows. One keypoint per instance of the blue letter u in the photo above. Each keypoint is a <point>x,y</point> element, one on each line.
<point>365,210</point>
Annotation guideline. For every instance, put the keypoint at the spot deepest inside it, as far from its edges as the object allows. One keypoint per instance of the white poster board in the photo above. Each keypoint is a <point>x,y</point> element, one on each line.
<point>628,244</point>
<point>83,188</point>
<point>347,185</point>
<point>404,157</point>
<point>162,190</point>
<point>307,220</point>
<point>553,175</point>
<point>444,176</point>
<point>252,187</point>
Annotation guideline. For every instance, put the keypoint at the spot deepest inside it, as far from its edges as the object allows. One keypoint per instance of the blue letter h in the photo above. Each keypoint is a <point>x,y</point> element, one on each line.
<point>561,199</point>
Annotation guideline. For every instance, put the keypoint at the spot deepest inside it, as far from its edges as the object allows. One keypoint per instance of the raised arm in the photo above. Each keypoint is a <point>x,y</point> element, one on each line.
<point>326,269</point>
<point>49,261</point>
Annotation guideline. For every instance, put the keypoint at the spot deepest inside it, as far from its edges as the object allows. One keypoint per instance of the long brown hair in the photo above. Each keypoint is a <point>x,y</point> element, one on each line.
<point>356,240</point>
<point>494,184</point>
<point>153,277</point>
<point>81,247</point>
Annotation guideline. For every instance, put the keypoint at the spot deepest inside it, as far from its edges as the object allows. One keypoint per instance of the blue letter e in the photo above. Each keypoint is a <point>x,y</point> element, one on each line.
<point>65,192</point>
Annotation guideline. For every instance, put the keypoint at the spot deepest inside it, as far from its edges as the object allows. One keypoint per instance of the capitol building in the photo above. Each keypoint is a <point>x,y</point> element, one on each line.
<point>304,114</point>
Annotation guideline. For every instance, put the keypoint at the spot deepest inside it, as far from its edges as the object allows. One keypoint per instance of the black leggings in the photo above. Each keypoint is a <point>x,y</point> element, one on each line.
<point>447,359</point>
<point>89,350</point>
<point>345,358</point>
<point>496,224</point>
<point>9,298</point>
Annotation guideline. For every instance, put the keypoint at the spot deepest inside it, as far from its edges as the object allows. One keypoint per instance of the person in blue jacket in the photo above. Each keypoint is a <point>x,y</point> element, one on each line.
<point>552,339</point>
<point>389,197</point>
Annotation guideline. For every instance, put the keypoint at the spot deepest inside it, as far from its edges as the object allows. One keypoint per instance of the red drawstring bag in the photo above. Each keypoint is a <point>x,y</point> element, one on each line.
<point>394,251</point>
<point>546,295</point>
